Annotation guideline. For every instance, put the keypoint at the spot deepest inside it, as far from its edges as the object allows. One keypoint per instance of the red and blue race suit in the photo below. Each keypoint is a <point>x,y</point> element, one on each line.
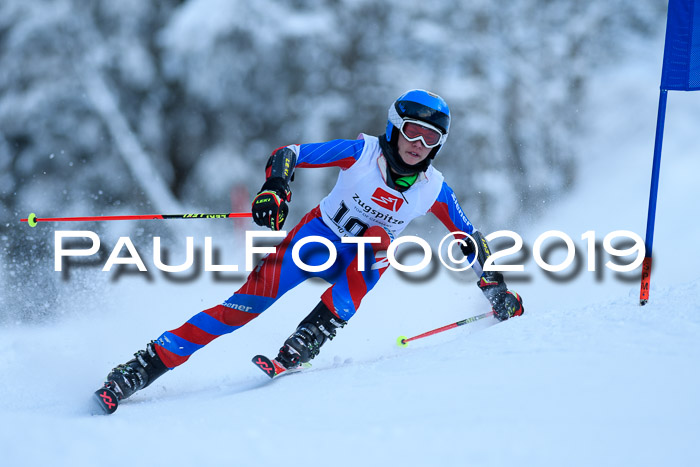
<point>360,200</point>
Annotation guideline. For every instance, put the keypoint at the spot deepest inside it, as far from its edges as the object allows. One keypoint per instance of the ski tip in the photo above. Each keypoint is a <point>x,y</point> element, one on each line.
<point>31,220</point>
<point>265,365</point>
<point>402,341</point>
<point>642,302</point>
<point>273,368</point>
<point>106,400</point>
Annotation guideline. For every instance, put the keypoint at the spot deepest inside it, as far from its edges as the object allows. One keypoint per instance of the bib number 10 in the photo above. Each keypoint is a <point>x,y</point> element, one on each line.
<point>349,224</point>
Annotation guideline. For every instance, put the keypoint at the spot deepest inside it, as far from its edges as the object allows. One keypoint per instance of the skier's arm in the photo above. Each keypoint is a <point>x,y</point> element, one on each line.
<point>270,205</point>
<point>337,153</point>
<point>504,302</point>
<point>447,209</point>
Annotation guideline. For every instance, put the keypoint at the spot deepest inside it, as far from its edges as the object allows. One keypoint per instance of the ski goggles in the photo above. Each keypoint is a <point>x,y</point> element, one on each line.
<point>414,130</point>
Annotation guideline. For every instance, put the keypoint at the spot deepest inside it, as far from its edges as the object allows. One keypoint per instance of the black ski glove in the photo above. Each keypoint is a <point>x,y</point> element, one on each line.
<point>270,205</point>
<point>505,303</point>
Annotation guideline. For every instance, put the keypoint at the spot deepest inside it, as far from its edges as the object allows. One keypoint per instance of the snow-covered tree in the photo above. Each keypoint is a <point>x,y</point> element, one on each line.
<point>141,106</point>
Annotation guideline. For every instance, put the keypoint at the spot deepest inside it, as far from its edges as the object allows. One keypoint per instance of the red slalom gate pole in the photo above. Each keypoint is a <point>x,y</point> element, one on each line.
<point>403,341</point>
<point>32,220</point>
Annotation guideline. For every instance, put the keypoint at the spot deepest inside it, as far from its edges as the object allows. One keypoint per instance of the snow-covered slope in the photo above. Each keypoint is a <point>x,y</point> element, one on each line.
<point>604,384</point>
<point>585,377</point>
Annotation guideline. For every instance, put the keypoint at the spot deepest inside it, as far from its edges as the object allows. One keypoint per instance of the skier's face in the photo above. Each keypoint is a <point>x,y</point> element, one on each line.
<point>412,152</point>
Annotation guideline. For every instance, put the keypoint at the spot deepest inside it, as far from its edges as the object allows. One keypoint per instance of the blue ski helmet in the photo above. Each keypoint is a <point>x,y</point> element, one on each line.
<point>418,104</point>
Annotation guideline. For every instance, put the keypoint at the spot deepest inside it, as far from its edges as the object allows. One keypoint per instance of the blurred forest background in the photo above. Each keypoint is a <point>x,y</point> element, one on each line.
<point>137,107</point>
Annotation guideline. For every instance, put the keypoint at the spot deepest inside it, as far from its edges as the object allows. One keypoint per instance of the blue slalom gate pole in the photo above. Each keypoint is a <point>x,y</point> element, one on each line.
<point>651,215</point>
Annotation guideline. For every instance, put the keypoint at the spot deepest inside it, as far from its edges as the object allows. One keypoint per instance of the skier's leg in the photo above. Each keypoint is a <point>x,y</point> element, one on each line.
<point>273,277</point>
<point>346,294</point>
<point>338,303</point>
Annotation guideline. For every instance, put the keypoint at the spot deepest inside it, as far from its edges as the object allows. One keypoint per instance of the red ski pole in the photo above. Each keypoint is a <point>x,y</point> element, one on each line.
<point>32,220</point>
<point>403,341</point>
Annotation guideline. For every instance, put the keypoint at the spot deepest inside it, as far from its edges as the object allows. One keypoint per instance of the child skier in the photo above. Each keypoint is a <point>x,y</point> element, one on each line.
<point>384,183</point>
